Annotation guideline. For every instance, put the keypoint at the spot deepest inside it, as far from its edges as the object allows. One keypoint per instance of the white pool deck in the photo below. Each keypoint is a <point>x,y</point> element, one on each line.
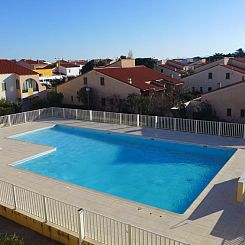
<point>213,218</point>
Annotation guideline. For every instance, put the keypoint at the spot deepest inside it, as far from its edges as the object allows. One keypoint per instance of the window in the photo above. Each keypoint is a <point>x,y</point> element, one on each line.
<point>210,75</point>
<point>102,81</point>
<point>228,112</point>
<point>72,99</point>
<point>4,87</point>
<point>161,70</point>
<point>29,83</point>
<point>193,89</point>
<point>17,84</point>
<point>103,101</point>
<point>201,90</point>
<point>111,101</point>
<point>209,89</point>
<point>85,80</point>
<point>242,112</point>
<point>228,75</point>
<point>243,78</point>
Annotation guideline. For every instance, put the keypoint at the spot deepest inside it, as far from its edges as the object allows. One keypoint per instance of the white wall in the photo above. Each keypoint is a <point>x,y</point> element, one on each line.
<point>10,93</point>
<point>70,72</point>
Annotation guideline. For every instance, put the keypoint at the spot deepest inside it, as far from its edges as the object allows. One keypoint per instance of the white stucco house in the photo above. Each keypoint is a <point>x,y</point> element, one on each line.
<point>69,69</point>
<point>18,83</point>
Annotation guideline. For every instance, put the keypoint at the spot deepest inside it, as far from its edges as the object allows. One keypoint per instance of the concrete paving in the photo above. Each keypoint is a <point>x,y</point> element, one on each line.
<point>213,218</point>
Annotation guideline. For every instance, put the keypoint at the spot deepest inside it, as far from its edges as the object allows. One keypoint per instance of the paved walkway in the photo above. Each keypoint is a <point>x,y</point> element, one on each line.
<point>213,218</point>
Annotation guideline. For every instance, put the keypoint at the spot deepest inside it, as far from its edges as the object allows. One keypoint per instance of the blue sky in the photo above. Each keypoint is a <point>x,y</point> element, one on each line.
<point>86,29</point>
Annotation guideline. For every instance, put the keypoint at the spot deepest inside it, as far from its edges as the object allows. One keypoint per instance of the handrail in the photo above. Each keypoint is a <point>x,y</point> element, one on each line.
<point>227,129</point>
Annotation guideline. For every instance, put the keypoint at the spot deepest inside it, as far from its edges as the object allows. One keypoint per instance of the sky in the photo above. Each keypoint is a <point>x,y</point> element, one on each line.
<point>87,29</point>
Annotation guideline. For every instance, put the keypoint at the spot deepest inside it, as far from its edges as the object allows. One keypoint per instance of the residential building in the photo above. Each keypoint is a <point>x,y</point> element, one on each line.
<point>80,63</point>
<point>228,102</point>
<point>68,69</point>
<point>172,68</point>
<point>18,83</point>
<point>32,64</point>
<point>215,75</point>
<point>116,81</point>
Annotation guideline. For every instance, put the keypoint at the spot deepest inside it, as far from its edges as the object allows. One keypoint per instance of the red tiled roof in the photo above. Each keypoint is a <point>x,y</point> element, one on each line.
<point>139,75</point>
<point>7,67</point>
<point>234,68</point>
<point>239,59</point>
<point>34,62</point>
<point>80,62</point>
<point>176,62</point>
<point>172,68</point>
<point>68,65</point>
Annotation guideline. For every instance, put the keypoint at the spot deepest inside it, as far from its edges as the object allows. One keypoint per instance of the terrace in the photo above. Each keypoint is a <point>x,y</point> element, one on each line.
<point>213,218</point>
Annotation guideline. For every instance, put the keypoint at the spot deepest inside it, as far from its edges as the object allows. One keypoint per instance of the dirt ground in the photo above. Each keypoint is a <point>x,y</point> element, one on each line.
<point>30,237</point>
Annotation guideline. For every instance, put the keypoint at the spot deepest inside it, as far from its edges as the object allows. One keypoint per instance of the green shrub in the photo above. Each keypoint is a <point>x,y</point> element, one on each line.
<point>7,107</point>
<point>6,239</point>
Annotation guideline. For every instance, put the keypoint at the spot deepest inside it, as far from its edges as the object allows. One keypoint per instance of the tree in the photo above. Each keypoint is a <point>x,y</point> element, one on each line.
<point>130,54</point>
<point>37,103</point>
<point>148,62</point>
<point>239,53</point>
<point>54,99</point>
<point>204,111</point>
<point>95,63</point>
<point>87,98</point>
<point>8,107</point>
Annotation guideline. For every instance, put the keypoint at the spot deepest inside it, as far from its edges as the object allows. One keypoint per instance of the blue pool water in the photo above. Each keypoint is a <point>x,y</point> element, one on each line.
<point>161,174</point>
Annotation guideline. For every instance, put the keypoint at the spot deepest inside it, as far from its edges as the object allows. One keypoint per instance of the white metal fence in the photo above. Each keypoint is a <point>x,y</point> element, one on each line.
<point>86,224</point>
<point>177,124</point>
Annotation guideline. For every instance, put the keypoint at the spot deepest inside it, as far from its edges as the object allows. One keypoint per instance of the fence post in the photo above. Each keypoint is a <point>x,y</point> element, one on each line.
<point>39,114</point>
<point>25,116</point>
<point>156,121</point>
<point>45,209</point>
<point>52,112</point>
<point>129,234</point>
<point>244,131</point>
<point>76,114</point>
<point>138,120</point>
<point>9,120</point>
<point>81,225</point>
<point>175,124</point>
<point>90,115</point>
<point>120,118</point>
<point>196,126</point>
<point>219,132</point>
<point>14,199</point>
<point>64,116</point>
<point>104,116</point>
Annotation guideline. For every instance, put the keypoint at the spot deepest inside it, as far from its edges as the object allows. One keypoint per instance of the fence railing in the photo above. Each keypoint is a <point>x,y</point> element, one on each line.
<point>86,224</point>
<point>236,130</point>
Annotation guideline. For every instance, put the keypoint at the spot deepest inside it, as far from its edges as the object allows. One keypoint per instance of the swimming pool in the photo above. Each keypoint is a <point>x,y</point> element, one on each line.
<point>161,174</point>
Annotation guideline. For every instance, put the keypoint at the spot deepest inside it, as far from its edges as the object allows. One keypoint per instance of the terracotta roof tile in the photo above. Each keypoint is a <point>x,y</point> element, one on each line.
<point>172,68</point>
<point>140,76</point>
<point>7,67</point>
<point>234,68</point>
